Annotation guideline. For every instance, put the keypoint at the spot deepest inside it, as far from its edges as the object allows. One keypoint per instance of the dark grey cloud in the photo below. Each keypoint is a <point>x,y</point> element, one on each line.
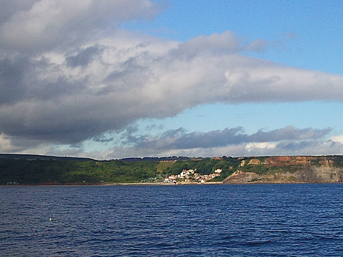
<point>8,8</point>
<point>20,81</point>
<point>83,57</point>
<point>103,139</point>
<point>261,45</point>
<point>12,85</point>
<point>69,73</point>
<point>59,103</point>
<point>296,146</point>
<point>225,43</point>
<point>42,25</point>
<point>305,147</point>
<point>289,133</point>
<point>104,88</point>
<point>180,139</point>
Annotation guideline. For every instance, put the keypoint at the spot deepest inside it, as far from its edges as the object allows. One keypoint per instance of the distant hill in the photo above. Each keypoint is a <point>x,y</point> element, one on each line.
<point>26,169</point>
<point>42,157</point>
<point>49,157</point>
<point>169,158</point>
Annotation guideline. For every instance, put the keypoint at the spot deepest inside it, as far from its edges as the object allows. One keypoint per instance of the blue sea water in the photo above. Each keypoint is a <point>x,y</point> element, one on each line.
<point>192,220</point>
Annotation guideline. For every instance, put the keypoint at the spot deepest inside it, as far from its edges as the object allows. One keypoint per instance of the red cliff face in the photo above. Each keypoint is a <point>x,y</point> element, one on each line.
<point>287,169</point>
<point>287,160</point>
<point>301,160</point>
<point>278,161</point>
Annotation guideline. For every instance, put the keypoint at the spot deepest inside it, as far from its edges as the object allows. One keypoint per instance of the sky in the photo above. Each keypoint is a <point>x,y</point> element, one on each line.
<point>110,79</point>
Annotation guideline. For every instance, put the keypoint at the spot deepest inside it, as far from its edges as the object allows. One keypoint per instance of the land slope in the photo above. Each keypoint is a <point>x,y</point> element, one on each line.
<point>38,170</point>
<point>288,169</point>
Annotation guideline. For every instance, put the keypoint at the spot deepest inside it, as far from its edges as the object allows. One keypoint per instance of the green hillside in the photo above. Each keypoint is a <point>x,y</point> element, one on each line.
<point>82,171</point>
<point>72,171</point>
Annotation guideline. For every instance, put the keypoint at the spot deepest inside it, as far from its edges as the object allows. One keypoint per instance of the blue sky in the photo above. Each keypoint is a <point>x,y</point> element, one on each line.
<point>114,79</point>
<point>316,26</point>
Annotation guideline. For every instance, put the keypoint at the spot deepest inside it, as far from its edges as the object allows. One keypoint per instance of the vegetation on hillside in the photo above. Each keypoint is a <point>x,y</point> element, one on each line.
<point>74,172</point>
<point>24,171</point>
<point>81,171</point>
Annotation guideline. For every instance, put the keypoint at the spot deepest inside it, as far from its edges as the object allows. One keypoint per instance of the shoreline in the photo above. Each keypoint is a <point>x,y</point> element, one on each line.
<point>171,184</point>
<point>121,184</point>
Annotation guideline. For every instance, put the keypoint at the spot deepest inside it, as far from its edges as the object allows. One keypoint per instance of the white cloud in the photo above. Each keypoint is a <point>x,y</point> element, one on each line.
<point>77,75</point>
<point>263,145</point>
<point>49,23</point>
<point>337,139</point>
<point>292,148</point>
<point>5,144</point>
<point>101,87</point>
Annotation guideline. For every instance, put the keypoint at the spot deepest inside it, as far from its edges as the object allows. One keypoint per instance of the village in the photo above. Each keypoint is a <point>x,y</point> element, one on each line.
<point>191,176</point>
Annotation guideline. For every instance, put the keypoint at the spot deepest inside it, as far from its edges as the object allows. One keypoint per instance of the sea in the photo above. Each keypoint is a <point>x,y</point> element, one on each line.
<point>176,220</point>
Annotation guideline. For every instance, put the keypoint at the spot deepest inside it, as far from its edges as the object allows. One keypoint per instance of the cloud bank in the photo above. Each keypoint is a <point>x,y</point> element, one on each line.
<point>229,142</point>
<point>69,72</point>
<point>179,139</point>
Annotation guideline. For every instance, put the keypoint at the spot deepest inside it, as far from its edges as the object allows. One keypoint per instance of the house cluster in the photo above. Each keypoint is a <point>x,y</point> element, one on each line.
<point>191,176</point>
<point>12,183</point>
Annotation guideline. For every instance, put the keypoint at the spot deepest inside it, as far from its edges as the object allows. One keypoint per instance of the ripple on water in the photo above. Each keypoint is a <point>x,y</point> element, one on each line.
<point>227,220</point>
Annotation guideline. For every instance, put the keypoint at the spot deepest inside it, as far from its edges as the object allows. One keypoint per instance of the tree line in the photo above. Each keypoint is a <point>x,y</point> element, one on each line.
<point>61,171</point>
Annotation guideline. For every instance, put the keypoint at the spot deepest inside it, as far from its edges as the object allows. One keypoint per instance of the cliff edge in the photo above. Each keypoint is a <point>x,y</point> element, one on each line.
<point>288,169</point>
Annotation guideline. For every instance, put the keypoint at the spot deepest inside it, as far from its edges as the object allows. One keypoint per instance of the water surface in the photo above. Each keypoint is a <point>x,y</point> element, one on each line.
<point>194,220</point>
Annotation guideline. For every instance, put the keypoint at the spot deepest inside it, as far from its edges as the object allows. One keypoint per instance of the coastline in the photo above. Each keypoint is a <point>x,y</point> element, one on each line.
<point>170,184</point>
<point>121,184</point>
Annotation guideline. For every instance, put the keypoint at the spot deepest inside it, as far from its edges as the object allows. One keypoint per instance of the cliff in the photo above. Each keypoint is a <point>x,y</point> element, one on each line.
<point>288,169</point>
